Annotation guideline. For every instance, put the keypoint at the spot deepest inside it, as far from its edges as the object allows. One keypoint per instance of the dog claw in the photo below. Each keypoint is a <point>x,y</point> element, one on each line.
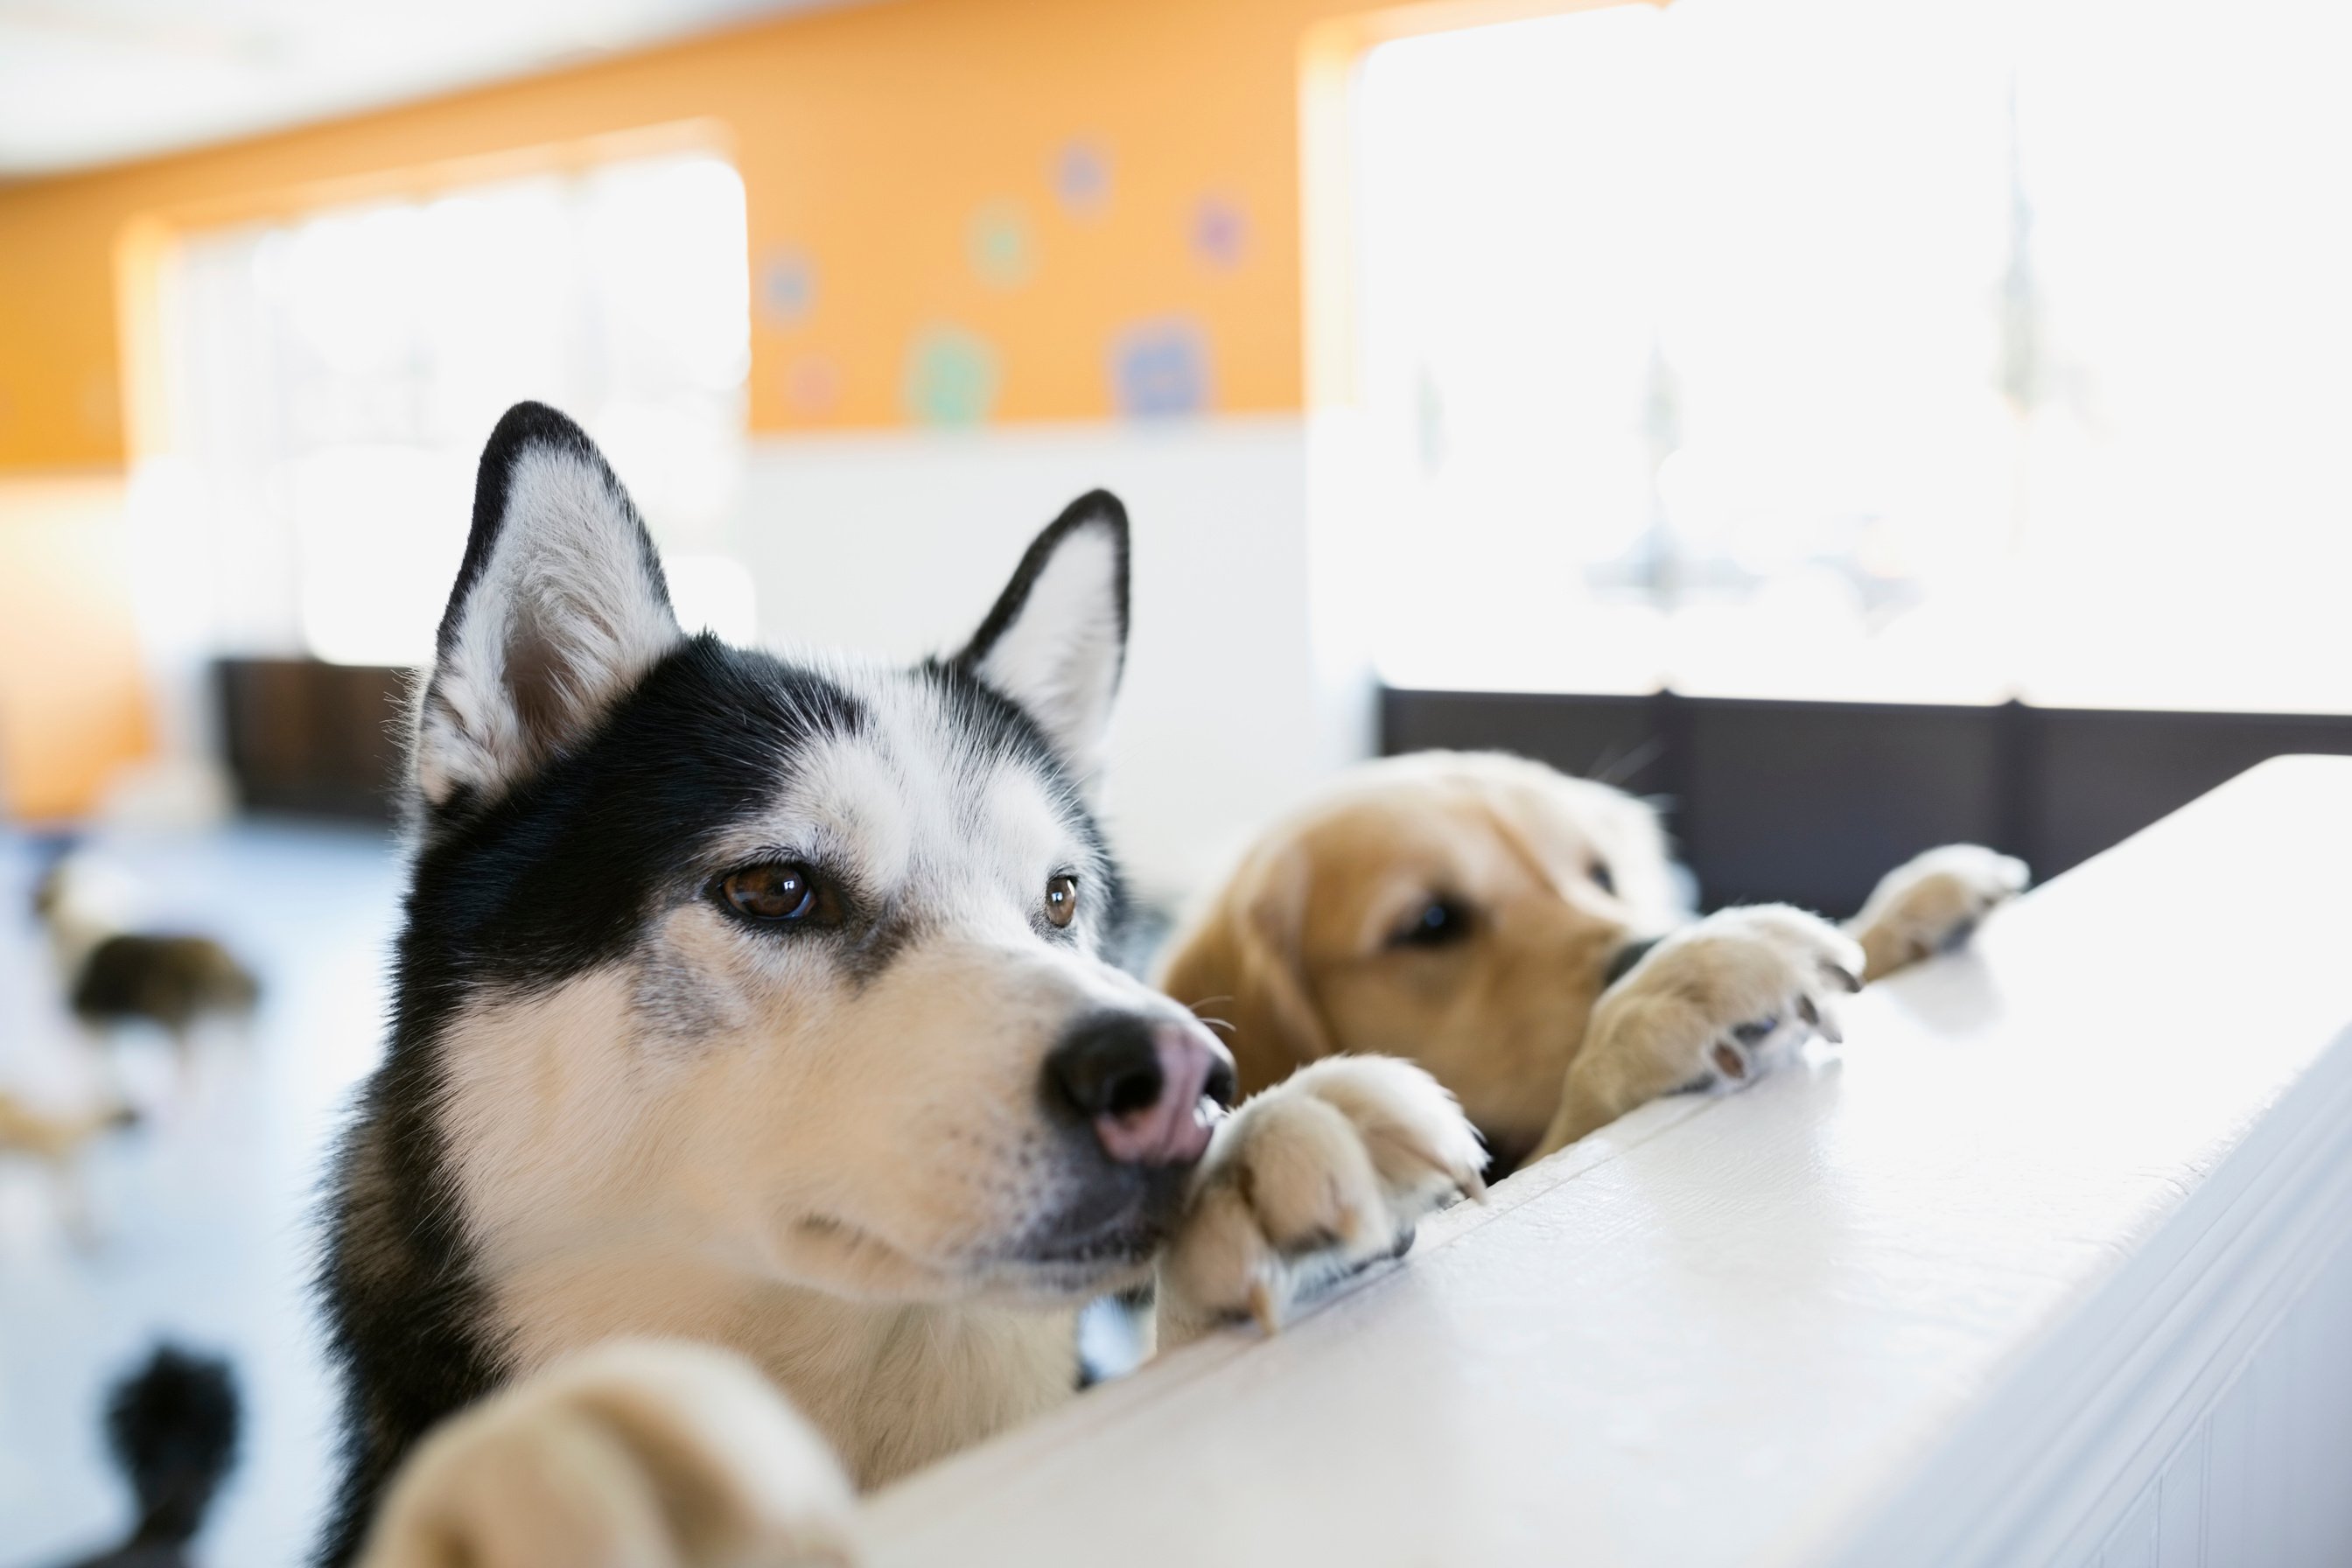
<point>1261,1307</point>
<point>1465,1177</point>
<point>1846,978</point>
<point>1823,1024</point>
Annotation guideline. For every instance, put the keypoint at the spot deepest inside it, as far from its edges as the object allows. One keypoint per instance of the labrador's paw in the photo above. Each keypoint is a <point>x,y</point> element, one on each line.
<point>1325,1173</point>
<point>1721,1001</point>
<point>639,1453</point>
<point>1712,1006</point>
<point>1932,903</point>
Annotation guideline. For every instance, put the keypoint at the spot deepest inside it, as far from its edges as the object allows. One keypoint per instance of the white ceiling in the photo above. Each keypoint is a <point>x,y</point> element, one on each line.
<point>84,82</point>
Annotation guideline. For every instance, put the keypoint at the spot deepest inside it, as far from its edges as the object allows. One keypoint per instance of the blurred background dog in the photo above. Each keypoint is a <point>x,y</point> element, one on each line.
<point>173,980</point>
<point>172,1431</point>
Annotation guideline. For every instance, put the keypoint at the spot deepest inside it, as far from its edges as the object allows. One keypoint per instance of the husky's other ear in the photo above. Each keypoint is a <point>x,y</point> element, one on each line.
<point>1057,637</point>
<point>558,609</point>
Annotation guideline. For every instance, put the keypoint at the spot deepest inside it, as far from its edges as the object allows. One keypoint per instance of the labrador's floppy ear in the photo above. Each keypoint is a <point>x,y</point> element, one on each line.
<point>560,608</point>
<point>1056,639</point>
<point>1242,964</point>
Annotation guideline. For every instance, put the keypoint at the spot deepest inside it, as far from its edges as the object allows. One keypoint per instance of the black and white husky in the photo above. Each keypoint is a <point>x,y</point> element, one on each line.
<point>759,1108</point>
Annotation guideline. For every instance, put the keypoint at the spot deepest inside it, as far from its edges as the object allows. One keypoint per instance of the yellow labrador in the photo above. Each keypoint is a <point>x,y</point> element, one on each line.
<point>1518,933</point>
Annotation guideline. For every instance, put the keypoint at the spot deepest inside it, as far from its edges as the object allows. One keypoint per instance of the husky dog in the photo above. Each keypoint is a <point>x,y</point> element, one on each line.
<point>760,1108</point>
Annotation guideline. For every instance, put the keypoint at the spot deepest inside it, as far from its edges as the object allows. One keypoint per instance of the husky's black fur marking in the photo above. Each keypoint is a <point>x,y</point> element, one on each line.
<point>554,873</point>
<point>558,875</point>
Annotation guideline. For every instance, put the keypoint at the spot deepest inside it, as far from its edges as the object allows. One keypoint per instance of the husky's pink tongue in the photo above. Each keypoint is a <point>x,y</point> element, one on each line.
<point>1174,1130</point>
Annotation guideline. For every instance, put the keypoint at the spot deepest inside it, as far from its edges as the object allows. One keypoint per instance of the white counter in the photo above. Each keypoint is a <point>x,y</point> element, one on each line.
<point>2046,1265</point>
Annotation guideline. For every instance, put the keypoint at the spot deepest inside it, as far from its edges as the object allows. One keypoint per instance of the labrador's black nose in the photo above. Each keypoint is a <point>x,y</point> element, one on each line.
<point>1140,1083</point>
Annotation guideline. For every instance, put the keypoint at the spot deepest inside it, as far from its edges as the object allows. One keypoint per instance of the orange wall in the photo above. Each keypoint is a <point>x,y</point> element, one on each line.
<point>871,139</point>
<point>72,705</point>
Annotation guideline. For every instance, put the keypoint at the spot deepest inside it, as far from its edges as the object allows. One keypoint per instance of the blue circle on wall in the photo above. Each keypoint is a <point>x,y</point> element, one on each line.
<point>1082,178</point>
<point>787,286</point>
<point>1160,368</point>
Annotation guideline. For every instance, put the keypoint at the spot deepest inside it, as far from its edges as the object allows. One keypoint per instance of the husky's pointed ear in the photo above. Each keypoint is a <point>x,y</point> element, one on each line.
<point>1057,637</point>
<point>558,609</point>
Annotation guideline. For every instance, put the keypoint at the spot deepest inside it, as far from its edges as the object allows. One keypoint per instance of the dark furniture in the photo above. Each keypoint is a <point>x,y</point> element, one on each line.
<point>1811,802</point>
<point>319,739</point>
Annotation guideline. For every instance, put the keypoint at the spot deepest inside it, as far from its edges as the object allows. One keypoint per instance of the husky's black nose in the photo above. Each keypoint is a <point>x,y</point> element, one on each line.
<point>1141,1082</point>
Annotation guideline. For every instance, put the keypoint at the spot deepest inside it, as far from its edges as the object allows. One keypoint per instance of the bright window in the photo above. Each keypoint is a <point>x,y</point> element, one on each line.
<point>333,379</point>
<point>1829,349</point>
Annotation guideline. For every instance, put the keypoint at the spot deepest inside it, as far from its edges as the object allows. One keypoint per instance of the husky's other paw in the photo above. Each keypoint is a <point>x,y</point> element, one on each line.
<point>639,1453</point>
<point>1932,903</point>
<point>1316,1177</point>
<point>1711,1006</point>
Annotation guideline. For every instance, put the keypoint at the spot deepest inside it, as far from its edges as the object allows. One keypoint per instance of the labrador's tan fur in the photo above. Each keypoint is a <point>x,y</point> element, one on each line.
<point>1552,877</point>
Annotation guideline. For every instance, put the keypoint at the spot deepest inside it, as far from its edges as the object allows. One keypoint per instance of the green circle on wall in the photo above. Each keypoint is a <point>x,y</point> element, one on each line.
<point>951,377</point>
<point>1001,249</point>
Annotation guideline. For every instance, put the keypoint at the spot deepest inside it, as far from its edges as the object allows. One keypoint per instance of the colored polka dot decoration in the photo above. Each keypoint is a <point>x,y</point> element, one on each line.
<point>787,286</point>
<point>951,377</point>
<point>1082,179</point>
<point>1156,366</point>
<point>1000,246</point>
<point>813,386</point>
<point>1219,232</point>
<point>1160,368</point>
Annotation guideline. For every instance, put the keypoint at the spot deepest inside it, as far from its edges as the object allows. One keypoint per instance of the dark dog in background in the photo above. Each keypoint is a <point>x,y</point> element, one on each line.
<point>113,976</point>
<point>172,1428</point>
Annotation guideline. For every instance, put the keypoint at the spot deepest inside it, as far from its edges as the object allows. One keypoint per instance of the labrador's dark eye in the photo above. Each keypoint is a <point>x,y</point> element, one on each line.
<point>1062,900</point>
<point>1438,922</point>
<point>1601,879</point>
<point>779,892</point>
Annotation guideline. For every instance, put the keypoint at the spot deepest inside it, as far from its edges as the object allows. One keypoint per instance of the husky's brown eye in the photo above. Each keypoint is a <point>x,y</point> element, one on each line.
<point>782,892</point>
<point>1062,900</point>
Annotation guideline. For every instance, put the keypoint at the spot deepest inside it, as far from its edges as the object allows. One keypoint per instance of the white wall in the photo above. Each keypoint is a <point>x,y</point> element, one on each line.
<point>2258,1479</point>
<point>897,543</point>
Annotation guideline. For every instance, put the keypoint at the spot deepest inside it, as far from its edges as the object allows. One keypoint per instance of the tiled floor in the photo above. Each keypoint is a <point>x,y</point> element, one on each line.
<point>205,1213</point>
